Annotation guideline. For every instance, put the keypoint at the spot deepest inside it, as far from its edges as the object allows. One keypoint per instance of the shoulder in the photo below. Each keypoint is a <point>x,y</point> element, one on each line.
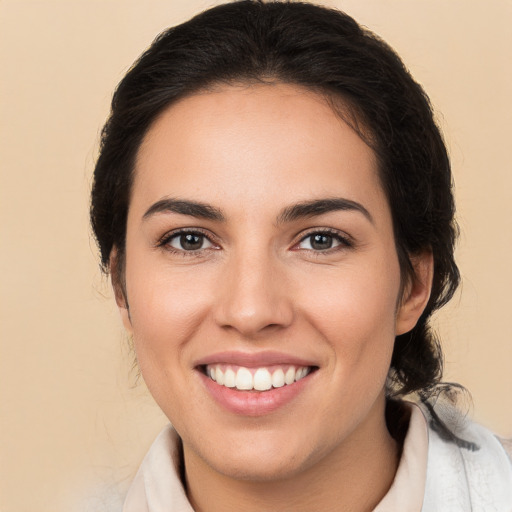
<point>507,446</point>
<point>473,474</point>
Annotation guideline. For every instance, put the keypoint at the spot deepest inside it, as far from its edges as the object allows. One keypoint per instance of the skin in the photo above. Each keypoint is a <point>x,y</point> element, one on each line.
<point>257,284</point>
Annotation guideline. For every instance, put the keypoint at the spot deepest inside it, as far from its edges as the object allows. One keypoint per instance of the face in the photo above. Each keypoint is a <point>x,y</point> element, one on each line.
<point>262,280</point>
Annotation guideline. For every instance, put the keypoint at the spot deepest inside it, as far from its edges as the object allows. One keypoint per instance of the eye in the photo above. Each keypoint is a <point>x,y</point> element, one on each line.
<point>188,241</point>
<point>323,241</point>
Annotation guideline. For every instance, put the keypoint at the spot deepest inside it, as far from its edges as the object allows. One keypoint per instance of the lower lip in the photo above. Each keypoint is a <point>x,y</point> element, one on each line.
<point>254,403</point>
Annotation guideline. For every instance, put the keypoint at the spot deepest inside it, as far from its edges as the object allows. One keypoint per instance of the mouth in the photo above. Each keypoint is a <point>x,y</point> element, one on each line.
<point>256,384</point>
<point>257,379</point>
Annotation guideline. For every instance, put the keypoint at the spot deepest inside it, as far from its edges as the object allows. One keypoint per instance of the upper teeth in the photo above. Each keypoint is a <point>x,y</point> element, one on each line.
<point>260,379</point>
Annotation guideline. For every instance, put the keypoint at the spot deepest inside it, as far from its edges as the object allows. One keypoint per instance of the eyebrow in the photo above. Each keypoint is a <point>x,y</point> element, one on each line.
<point>319,207</point>
<point>291,213</point>
<point>185,207</point>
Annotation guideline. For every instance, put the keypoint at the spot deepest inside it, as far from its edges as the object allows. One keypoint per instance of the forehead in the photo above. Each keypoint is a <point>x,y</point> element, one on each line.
<point>250,141</point>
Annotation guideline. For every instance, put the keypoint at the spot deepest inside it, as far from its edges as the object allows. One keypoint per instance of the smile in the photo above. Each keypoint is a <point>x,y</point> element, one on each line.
<point>256,384</point>
<point>257,379</point>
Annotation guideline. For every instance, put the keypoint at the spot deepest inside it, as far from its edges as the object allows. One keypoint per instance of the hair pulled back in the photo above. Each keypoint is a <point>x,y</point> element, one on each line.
<point>327,51</point>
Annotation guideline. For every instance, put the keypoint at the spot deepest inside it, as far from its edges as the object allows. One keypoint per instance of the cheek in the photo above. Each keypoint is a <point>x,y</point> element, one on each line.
<point>355,311</point>
<point>166,313</point>
<point>167,306</point>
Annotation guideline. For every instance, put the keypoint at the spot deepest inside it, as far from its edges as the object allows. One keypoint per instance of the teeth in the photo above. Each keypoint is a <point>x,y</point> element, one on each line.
<point>219,376</point>
<point>229,378</point>
<point>260,379</point>
<point>278,379</point>
<point>301,373</point>
<point>243,379</point>
<point>289,377</point>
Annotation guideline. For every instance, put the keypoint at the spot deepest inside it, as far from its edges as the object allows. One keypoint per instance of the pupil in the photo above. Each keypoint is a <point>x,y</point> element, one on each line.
<point>321,242</point>
<point>191,242</point>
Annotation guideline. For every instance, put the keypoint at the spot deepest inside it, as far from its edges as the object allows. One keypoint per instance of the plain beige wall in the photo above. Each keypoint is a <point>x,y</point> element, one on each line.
<point>74,422</point>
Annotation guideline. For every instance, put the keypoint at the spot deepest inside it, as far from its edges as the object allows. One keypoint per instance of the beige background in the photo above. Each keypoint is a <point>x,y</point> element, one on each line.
<point>74,421</point>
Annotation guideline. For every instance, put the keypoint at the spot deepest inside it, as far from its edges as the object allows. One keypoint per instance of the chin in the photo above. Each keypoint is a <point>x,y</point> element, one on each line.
<point>259,455</point>
<point>257,467</point>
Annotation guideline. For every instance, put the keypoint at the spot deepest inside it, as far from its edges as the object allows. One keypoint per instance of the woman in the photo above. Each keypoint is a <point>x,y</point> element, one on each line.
<point>273,202</point>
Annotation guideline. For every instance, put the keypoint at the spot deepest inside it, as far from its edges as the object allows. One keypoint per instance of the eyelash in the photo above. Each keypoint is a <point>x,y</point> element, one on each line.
<point>164,242</point>
<point>344,241</point>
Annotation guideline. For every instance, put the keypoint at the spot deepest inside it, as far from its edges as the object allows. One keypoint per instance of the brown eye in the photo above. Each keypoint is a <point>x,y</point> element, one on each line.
<point>189,241</point>
<point>323,241</point>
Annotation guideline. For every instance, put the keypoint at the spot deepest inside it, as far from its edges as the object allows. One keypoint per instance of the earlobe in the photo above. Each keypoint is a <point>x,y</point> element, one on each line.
<point>125,317</point>
<point>118,285</point>
<point>416,293</point>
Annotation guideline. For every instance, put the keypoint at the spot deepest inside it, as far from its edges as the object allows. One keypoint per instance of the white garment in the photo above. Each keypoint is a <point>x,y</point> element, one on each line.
<point>465,480</point>
<point>433,475</point>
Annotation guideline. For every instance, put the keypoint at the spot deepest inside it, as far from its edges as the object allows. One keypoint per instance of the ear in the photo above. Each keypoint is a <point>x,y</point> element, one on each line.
<point>119,286</point>
<point>416,293</point>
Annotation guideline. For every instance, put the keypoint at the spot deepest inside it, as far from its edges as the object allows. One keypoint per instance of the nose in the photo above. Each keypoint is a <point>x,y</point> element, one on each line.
<point>254,297</point>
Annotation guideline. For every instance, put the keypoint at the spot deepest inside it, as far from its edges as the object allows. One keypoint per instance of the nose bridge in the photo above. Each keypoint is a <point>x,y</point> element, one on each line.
<point>253,293</point>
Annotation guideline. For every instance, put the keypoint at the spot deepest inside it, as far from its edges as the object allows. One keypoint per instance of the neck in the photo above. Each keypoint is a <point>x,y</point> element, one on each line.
<point>354,477</point>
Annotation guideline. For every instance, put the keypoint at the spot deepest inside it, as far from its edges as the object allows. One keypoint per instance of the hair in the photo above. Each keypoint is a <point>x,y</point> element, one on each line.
<point>324,50</point>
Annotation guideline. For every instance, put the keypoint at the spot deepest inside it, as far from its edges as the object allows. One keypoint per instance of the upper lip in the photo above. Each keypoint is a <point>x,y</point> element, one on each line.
<point>253,359</point>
